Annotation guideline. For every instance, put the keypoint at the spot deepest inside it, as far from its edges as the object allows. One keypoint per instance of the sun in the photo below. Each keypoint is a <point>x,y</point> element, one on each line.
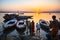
<point>36,9</point>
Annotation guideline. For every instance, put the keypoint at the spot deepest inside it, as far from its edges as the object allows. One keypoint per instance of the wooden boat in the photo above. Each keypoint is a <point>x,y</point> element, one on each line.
<point>8,17</point>
<point>44,25</point>
<point>10,24</point>
<point>13,24</point>
<point>21,25</point>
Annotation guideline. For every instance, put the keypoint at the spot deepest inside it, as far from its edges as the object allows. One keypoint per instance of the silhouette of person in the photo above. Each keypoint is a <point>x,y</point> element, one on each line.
<point>32,28</point>
<point>38,27</point>
<point>54,25</point>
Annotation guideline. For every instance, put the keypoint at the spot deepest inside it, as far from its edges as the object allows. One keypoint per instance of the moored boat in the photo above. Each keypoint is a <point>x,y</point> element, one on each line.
<point>10,24</point>
<point>21,25</point>
<point>44,25</point>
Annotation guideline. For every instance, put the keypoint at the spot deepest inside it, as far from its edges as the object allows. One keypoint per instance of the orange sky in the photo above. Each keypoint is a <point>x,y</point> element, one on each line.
<point>31,8</point>
<point>29,5</point>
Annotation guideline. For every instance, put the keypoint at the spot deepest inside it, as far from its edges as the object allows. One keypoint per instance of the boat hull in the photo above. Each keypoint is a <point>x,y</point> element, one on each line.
<point>45,28</point>
<point>20,26</point>
<point>9,25</point>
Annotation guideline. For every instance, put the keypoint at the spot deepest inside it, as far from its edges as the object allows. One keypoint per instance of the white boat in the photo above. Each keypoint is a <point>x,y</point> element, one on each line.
<point>44,25</point>
<point>10,23</point>
<point>21,24</point>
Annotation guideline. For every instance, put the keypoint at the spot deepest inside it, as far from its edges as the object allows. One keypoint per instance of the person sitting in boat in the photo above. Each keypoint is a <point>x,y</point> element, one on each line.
<point>54,25</point>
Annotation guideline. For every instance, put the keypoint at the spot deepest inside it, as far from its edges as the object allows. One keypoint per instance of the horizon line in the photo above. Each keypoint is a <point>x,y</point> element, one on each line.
<point>29,12</point>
